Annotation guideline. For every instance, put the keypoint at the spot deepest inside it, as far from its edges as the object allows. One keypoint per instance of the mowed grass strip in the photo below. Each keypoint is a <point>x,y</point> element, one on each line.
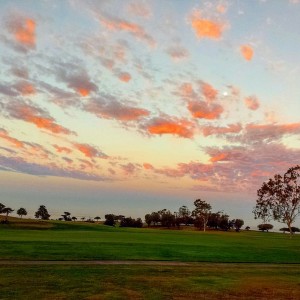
<point>206,281</point>
<point>71,241</point>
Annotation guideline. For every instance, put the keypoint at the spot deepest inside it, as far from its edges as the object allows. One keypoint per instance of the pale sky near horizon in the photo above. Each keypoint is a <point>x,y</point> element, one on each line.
<point>130,107</point>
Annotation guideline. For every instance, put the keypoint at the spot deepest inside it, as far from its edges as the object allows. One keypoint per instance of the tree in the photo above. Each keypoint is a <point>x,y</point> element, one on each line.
<point>279,198</point>
<point>22,212</point>
<point>237,224</point>
<point>247,228</point>
<point>201,213</point>
<point>97,218</point>
<point>7,211</point>
<point>184,214</point>
<point>42,213</point>
<point>265,227</point>
<point>67,216</point>
<point>74,218</point>
<point>294,229</point>
<point>148,219</point>
<point>82,218</point>
<point>1,207</point>
<point>110,220</point>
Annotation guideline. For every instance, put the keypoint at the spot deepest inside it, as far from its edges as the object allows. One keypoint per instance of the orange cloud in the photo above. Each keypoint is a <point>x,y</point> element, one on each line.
<point>181,128</point>
<point>4,135</point>
<point>209,92</point>
<point>83,92</point>
<point>247,52</point>
<point>205,28</point>
<point>147,166</point>
<point>25,32</point>
<point>202,110</point>
<point>132,28</point>
<point>36,116</point>
<point>90,151</point>
<point>125,77</point>
<point>25,88</point>
<point>219,157</point>
<point>62,149</point>
<point>252,102</point>
<point>232,128</point>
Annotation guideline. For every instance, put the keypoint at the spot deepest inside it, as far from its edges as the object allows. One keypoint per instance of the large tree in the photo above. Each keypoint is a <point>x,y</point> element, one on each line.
<point>42,213</point>
<point>279,198</point>
<point>201,212</point>
<point>1,207</point>
<point>7,211</point>
<point>22,212</point>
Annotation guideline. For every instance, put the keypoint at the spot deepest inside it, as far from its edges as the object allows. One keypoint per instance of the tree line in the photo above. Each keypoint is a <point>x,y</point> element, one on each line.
<point>278,199</point>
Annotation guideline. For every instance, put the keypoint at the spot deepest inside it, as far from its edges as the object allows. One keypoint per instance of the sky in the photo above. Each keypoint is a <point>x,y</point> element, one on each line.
<point>129,107</point>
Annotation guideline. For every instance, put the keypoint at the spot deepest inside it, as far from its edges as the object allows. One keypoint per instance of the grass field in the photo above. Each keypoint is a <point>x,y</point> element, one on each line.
<point>227,265</point>
<point>207,281</point>
<point>81,241</point>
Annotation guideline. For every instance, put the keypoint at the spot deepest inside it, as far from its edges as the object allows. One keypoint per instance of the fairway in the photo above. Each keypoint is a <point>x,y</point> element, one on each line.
<point>201,281</point>
<point>64,260</point>
<point>79,241</point>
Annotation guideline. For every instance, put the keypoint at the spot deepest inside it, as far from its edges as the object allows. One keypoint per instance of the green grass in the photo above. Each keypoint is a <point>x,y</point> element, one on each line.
<point>205,281</point>
<point>82,241</point>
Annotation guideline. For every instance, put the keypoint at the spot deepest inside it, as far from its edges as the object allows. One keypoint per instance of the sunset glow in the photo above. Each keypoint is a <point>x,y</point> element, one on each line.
<point>149,103</point>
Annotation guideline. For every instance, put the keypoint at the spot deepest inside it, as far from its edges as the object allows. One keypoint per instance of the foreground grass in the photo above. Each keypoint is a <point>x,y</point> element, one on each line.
<point>206,281</point>
<point>71,241</point>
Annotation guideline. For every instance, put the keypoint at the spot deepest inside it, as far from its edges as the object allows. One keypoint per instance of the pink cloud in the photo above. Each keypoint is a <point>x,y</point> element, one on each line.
<point>4,135</point>
<point>60,149</point>
<point>110,108</point>
<point>203,110</point>
<point>231,128</point>
<point>37,116</point>
<point>139,9</point>
<point>252,102</point>
<point>209,92</point>
<point>23,30</point>
<point>134,29</point>
<point>178,53</point>
<point>124,76</point>
<point>25,88</point>
<point>130,168</point>
<point>89,151</point>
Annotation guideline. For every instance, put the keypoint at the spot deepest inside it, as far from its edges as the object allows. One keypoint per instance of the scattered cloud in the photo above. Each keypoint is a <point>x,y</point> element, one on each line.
<point>110,108</point>
<point>209,92</point>
<point>25,88</point>
<point>116,24</point>
<point>203,110</point>
<point>174,126</point>
<point>247,52</point>
<point>4,135</point>
<point>90,151</point>
<point>61,149</point>
<point>177,53</point>
<point>23,32</point>
<point>206,28</point>
<point>19,165</point>
<point>139,9</point>
<point>40,118</point>
<point>124,76</point>
<point>214,130</point>
<point>252,102</point>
